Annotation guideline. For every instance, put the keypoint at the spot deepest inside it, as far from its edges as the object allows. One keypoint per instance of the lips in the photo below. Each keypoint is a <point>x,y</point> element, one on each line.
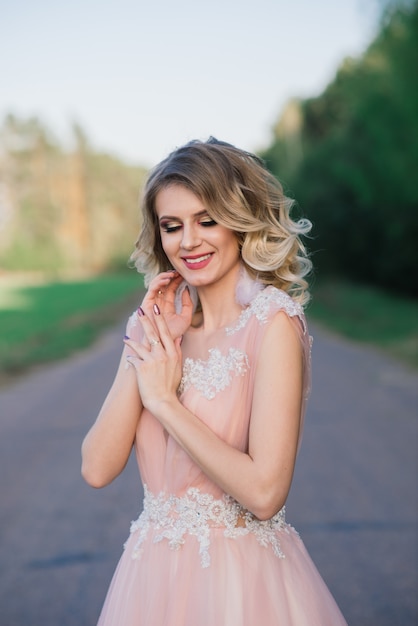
<point>196,259</point>
<point>197,262</point>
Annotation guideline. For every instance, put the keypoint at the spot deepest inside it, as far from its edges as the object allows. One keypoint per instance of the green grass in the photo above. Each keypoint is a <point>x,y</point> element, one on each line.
<point>43,322</point>
<point>368,315</point>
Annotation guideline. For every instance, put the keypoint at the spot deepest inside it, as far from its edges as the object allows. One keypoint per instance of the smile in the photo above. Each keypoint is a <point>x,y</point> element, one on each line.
<point>197,262</point>
<point>197,259</point>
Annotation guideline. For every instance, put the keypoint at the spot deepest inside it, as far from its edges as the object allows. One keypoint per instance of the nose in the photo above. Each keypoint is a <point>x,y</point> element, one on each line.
<point>190,238</point>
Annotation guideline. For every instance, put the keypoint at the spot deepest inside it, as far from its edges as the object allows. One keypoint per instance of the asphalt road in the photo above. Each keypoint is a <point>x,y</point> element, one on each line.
<point>353,500</point>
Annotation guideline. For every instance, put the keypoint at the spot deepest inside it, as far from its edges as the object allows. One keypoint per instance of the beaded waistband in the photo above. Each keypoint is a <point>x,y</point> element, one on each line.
<point>173,517</point>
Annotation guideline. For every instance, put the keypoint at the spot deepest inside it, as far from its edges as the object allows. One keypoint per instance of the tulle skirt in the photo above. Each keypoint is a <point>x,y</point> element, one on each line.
<point>246,584</point>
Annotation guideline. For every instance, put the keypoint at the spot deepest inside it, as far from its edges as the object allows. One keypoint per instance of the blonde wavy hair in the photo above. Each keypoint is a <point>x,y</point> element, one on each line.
<point>240,194</point>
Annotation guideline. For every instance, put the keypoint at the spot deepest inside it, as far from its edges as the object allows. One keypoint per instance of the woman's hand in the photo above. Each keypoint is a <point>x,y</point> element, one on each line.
<point>162,292</point>
<point>157,361</point>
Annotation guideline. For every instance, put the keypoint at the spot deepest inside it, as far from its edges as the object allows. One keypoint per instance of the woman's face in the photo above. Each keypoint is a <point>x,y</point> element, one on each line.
<point>201,250</point>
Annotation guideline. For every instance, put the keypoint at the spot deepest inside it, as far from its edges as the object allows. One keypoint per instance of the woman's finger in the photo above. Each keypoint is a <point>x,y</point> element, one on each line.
<point>168,293</point>
<point>166,296</point>
<point>138,350</point>
<point>163,330</point>
<point>151,332</point>
<point>161,284</point>
<point>160,291</point>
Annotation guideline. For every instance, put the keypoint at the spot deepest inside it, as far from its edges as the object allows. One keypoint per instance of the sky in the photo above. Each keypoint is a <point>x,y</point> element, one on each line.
<point>142,78</point>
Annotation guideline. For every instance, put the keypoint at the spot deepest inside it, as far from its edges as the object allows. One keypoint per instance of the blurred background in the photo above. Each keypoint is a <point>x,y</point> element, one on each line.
<point>94,93</point>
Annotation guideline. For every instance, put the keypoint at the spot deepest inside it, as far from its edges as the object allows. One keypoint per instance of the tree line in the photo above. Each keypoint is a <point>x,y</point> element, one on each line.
<point>63,208</point>
<point>350,158</point>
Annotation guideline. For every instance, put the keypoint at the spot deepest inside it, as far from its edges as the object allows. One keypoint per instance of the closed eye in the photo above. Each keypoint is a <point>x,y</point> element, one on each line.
<point>170,227</point>
<point>173,226</point>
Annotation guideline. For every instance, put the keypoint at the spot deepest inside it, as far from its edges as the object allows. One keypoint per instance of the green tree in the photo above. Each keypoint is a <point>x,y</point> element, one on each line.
<point>63,208</point>
<point>355,177</point>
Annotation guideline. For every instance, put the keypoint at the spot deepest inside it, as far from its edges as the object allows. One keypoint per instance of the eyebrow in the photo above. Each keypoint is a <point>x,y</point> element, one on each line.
<point>175,218</point>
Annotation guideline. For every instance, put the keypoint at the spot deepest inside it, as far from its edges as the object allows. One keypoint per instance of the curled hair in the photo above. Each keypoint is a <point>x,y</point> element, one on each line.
<point>239,193</point>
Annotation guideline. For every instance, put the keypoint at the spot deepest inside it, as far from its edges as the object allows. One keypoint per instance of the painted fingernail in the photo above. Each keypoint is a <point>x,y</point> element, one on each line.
<point>140,312</point>
<point>156,309</point>
<point>126,337</point>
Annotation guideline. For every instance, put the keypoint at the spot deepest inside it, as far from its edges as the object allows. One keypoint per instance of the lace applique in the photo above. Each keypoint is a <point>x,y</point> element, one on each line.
<point>268,298</point>
<point>195,513</point>
<point>214,375</point>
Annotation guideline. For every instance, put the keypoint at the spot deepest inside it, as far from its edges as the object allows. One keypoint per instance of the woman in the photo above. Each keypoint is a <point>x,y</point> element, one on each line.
<point>210,391</point>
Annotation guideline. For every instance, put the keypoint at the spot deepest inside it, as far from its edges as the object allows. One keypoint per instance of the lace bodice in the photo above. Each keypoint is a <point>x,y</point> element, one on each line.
<point>215,373</point>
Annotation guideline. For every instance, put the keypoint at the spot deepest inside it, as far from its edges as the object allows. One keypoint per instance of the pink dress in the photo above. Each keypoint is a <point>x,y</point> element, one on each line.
<point>195,557</point>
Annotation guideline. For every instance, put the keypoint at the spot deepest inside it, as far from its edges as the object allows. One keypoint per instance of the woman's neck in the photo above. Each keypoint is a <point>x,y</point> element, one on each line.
<point>219,305</point>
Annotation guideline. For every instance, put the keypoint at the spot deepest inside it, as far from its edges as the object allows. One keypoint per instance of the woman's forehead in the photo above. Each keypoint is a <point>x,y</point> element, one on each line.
<point>176,199</point>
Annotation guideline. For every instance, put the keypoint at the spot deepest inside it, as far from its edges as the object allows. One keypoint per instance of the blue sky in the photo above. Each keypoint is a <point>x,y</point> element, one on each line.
<point>144,77</point>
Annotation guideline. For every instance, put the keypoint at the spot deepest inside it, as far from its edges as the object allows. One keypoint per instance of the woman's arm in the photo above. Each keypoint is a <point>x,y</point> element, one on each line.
<point>260,479</point>
<point>108,444</point>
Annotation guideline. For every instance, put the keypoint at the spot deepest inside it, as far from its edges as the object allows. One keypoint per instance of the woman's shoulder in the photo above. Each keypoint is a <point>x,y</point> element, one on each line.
<point>264,306</point>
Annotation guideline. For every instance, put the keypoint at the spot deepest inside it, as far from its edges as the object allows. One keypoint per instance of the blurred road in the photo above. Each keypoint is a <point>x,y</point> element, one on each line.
<point>354,496</point>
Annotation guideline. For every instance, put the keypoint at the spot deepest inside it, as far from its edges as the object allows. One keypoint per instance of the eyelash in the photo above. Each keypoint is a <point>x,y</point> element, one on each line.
<point>169,229</point>
<point>172,229</point>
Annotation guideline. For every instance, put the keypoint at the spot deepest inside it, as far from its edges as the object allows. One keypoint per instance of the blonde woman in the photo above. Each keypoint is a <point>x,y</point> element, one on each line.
<point>211,392</point>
